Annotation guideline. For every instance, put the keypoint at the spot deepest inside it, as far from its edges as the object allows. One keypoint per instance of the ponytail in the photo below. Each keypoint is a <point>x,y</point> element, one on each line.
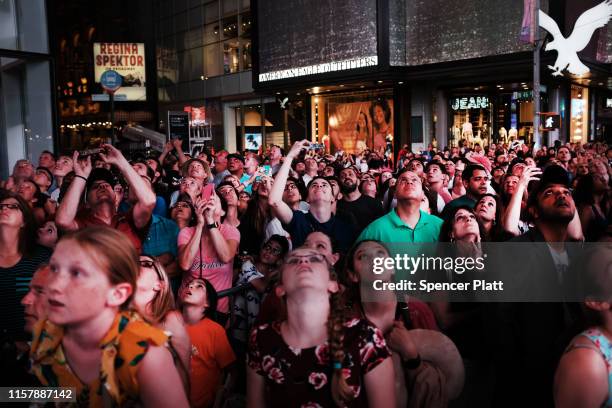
<point>341,391</point>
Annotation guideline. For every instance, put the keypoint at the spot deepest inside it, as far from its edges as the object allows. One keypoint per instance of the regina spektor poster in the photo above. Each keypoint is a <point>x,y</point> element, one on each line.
<point>128,59</point>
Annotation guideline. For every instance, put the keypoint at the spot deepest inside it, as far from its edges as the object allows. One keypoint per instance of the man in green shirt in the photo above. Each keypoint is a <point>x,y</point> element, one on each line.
<point>406,224</point>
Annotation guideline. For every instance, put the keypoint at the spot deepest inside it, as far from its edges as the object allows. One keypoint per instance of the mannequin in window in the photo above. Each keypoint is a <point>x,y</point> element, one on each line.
<point>512,134</point>
<point>503,135</point>
<point>466,132</point>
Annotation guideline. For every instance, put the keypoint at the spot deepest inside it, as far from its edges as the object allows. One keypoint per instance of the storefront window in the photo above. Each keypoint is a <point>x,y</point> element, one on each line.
<point>246,54</point>
<point>211,33</point>
<point>245,25</point>
<point>212,60</point>
<point>230,57</point>
<point>354,122</point>
<point>579,112</point>
<point>211,12</point>
<point>230,27</point>
<point>471,117</point>
<point>230,7</point>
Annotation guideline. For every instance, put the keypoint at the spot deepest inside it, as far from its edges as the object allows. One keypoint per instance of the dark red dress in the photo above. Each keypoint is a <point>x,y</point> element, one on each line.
<point>301,378</point>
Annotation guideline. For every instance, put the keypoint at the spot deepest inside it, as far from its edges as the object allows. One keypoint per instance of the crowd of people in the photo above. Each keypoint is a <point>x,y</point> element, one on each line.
<point>237,279</point>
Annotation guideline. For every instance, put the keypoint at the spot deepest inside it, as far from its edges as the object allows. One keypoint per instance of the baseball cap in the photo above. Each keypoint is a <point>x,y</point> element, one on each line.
<point>97,174</point>
<point>235,156</point>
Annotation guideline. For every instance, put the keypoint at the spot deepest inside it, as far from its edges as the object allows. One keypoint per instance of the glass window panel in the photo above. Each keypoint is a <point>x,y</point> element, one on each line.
<point>8,27</point>
<point>230,7</point>
<point>246,5</point>
<point>180,5</point>
<point>193,38</point>
<point>167,26</point>
<point>230,27</point>
<point>180,21</point>
<point>246,54</point>
<point>197,70</point>
<point>230,57</point>
<point>166,8</point>
<point>32,26</point>
<point>211,33</point>
<point>211,12</point>
<point>195,18</point>
<point>184,59</point>
<point>212,60</point>
<point>245,25</point>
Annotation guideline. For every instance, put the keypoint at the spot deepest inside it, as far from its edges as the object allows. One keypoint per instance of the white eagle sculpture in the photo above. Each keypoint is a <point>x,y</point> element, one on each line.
<point>568,48</point>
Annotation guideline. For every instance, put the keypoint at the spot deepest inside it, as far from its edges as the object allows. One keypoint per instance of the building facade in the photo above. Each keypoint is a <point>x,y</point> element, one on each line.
<point>386,73</point>
<point>26,93</point>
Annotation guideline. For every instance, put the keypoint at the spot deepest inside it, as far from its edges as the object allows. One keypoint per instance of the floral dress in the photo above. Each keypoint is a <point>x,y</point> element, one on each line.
<point>123,348</point>
<point>301,378</point>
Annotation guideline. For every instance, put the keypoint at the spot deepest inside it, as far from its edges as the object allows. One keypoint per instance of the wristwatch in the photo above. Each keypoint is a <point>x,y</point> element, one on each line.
<point>213,225</point>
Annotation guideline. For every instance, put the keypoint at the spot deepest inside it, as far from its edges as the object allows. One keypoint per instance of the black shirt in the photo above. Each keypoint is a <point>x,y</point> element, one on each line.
<point>360,212</point>
<point>302,224</point>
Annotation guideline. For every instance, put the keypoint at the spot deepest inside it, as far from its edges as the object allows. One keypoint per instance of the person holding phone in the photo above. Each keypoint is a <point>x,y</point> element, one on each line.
<point>319,217</point>
<point>97,184</point>
<point>207,250</point>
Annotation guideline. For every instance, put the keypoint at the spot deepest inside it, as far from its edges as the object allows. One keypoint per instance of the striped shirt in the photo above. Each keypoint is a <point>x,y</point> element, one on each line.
<point>14,284</point>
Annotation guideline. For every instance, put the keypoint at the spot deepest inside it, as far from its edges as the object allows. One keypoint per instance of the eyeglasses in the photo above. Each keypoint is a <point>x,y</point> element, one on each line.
<point>150,264</point>
<point>181,205</point>
<point>9,206</point>
<point>272,250</point>
<point>145,263</point>
<point>295,259</point>
<point>290,187</point>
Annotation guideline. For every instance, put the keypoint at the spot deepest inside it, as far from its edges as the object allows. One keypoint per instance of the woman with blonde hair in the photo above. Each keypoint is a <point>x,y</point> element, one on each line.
<point>90,340</point>
<point>317,356</point>
<point>154,300</point>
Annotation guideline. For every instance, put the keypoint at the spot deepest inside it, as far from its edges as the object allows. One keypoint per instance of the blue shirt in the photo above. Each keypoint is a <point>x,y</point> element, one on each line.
<point>162,237</point>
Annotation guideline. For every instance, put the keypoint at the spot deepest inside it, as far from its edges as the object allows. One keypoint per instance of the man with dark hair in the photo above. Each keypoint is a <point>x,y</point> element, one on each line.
<point>43,178</point>
<point>100,198</point>
<point>533,335</point>
<point>436,178</point>
<point>475,180</point>
<point>293,193</point>
<point>144,170</point>
<point>320,216</point>
<point>46,159</point>
<point>564,156</point>
<point>354,207</point>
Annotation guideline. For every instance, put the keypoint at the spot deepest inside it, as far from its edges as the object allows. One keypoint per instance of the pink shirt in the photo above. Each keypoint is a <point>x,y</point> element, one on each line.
<point>218,273</point>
